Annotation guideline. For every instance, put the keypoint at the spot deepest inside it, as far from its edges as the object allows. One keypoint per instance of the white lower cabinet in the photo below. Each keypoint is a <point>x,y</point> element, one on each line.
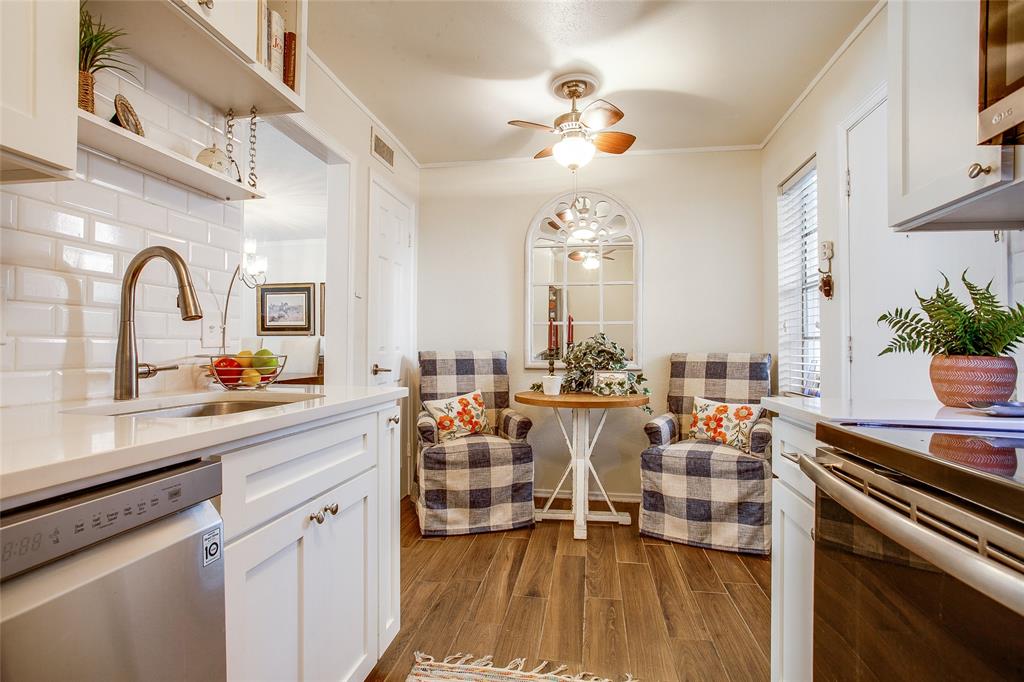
<point>390,481</point>
<point>302,595</point>
<point>792,585</point>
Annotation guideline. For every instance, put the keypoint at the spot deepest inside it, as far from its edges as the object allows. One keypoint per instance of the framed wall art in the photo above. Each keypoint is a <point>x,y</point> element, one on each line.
<point>285,309</point>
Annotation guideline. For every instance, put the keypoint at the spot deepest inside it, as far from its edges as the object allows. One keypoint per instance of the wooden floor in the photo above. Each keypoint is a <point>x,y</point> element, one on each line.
<point>612,604</point>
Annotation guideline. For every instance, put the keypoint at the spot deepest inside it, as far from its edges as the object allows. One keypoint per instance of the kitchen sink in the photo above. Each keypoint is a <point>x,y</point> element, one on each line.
<point>207,404</point>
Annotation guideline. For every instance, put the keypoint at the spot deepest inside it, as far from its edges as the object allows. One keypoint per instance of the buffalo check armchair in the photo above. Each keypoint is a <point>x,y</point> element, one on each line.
<point>705,493</point>
<point>481,482</point>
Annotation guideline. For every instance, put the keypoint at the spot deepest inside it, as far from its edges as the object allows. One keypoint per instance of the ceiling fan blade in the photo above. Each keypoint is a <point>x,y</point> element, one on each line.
<point>527,124</point>
<point>553,225</point>
<point>600,114</point>
<point>577,256</point>
<point>565,215</point>
<point>614,143</point>
<point>543,153</point>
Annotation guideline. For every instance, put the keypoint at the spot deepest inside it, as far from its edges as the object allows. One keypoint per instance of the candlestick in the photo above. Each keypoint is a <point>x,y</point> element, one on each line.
<point>568,333</point>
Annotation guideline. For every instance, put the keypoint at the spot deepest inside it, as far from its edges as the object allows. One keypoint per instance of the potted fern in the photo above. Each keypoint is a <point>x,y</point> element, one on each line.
<point>95,53</point>
<point>970,345</point>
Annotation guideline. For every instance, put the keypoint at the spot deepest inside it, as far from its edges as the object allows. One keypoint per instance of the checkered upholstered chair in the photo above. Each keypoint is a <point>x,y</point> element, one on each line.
<point>477,483</point>
<point>700,492</point>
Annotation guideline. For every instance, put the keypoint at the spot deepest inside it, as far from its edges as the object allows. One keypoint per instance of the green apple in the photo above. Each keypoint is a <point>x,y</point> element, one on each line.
<point>264,361</point>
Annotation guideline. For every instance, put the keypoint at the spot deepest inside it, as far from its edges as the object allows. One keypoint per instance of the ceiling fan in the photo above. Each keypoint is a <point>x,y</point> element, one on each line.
<point>583,132</point>
<point>579,255</point>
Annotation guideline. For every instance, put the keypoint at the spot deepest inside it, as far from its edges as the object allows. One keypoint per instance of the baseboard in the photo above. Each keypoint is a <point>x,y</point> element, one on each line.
<point>627,498</point>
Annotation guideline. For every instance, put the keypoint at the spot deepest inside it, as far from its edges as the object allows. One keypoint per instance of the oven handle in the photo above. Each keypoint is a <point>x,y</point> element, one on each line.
<point>987,577</point>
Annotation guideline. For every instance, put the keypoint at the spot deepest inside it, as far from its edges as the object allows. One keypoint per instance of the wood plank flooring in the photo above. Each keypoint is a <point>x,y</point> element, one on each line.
<point>614,603</point>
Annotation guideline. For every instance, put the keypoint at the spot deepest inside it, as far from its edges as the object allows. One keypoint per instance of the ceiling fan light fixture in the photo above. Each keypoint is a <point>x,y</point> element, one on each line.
<point>574,151</point>
<point>591,261</point>
<point>582,231</point>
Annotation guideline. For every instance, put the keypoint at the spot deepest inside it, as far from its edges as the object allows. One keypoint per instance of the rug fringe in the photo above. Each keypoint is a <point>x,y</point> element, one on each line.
<point>465,660</point>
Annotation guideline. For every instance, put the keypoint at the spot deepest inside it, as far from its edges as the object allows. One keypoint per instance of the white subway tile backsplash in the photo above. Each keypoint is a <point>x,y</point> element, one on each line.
<point>206,256</point>
<point>39,217</point>
<point>190,128</point>
<point>7,356</point>
<point>192,229</point>
<point>88,260</point>
<point>165,194</point>
<point>103,171</point>
<point>233,215</point>
<point>86,196</point>
<point>150,325</point>
<point>173,244</point>
<point>178,328</point>
<point>225,238</point>
<point>164,350</point>
<point>49,353</point>
<point>166,90</point>
<point>8,210</point>
<point>100,352</point>
<point>25,388</point>
<point>81,164</point>
<point>29,319</point>
<point>79,384</point>
<point>103,292</point>
<point>155,271</point>
<point>25,248</point>
<point>148,107</point>
<point>162,299</point>
<point>120,236</point>
<point>218,281</point>
<point>43,285</point>
<point>206,208</point>
<point>141,213</point>
<point>170,140</point>
<point>43,191</point>
<point>75,321</point>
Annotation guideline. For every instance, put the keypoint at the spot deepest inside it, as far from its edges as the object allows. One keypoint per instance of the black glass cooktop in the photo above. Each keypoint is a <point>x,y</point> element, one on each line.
<point>983,467</point>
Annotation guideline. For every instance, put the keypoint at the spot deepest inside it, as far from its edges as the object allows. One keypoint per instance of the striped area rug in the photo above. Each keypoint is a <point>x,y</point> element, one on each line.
<point>469,668</point>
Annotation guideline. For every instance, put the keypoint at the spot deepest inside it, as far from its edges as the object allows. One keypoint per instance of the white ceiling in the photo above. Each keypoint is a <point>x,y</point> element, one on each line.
<point>446,76</point>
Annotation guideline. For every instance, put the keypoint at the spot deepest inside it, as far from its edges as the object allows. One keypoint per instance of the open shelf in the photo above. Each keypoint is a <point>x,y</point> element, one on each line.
<point>110,139</point>
<point>162,35</point>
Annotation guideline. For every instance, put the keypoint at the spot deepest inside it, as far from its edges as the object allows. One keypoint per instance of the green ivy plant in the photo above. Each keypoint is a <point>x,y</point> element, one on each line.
<point>95,51</point>
<point>596,353</point>
<point>952,328</point>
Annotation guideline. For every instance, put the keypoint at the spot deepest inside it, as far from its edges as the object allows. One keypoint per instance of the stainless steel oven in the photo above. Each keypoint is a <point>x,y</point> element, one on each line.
<point>1001,78</point>
<point>911,583</point>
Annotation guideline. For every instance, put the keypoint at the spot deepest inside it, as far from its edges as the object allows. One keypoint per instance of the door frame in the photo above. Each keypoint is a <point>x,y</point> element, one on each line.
<point>875,98</point>
<point>407,438</point>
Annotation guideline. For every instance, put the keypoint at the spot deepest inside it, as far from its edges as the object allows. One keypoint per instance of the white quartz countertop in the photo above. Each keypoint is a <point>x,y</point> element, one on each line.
<point>46,447</point>
<point>925,413</point>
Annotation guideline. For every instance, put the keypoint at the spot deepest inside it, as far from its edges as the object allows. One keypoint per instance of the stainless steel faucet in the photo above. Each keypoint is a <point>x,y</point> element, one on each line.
<point>126,365</point>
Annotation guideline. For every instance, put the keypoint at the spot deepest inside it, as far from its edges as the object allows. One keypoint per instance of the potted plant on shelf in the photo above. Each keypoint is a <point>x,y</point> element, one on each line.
<point>95,53</point>
<point>970,345</point>
<point>598,353</point>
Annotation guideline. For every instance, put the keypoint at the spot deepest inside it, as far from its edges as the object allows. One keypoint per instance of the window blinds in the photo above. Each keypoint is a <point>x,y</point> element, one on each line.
<point>799,319</point>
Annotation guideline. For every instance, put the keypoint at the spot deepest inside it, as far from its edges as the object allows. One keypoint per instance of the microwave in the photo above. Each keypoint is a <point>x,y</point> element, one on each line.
<point>1001,77</point>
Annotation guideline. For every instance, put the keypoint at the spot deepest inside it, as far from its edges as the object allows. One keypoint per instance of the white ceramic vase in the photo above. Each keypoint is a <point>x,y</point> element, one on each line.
<point>552,385</point>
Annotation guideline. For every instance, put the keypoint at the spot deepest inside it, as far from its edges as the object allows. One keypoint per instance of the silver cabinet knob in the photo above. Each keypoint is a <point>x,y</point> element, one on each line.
<point>208,4</point>
<point>394,420</point>
<point>318,517</point>
<point>333,508</point>
<point>976,169</point>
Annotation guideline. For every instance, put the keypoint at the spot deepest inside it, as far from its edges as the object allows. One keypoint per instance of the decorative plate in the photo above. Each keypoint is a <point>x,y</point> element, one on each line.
<point>126,117</point>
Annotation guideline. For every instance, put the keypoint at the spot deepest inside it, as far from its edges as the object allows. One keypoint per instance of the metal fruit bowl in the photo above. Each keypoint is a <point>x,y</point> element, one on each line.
<point>233,379</point>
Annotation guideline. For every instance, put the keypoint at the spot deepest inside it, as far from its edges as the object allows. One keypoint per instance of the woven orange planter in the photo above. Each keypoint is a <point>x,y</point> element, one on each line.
<point>957,379</point>
<point>86,97</point>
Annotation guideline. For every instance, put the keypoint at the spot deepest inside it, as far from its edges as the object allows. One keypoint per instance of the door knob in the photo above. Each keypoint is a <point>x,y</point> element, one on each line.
<point>377,369</point>
<point>977,169</point>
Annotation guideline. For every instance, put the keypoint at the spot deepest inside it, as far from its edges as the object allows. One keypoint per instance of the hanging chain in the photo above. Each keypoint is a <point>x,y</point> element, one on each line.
<point>252,148</point>
<point>229,132</point>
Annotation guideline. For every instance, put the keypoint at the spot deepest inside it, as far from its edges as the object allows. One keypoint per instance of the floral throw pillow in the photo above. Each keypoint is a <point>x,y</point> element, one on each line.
<point>727,423</point>
<point>459,416</point>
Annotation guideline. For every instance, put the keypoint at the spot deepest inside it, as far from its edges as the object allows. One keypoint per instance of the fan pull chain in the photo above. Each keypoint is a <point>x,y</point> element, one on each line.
<point>252,148</point>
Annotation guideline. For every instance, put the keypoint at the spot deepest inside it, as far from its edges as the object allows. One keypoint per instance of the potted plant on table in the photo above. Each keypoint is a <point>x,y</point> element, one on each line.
<point>970,346</point>
<point>95,53</point>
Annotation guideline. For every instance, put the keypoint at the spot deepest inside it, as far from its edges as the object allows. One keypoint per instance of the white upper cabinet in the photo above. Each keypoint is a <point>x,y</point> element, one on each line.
<point>230,20</point>
<point>38,86</point>
<point>933,115</point>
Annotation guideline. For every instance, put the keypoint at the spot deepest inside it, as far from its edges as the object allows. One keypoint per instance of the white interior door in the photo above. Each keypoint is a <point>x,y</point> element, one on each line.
<point>886,268</point>
<point>391,297</point>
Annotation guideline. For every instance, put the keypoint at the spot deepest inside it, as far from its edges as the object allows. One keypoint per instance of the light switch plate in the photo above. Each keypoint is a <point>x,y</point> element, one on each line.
<point>211,333</point>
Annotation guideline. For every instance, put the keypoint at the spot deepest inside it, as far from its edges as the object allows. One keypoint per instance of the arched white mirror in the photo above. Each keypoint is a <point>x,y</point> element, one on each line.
<point>584,264</point>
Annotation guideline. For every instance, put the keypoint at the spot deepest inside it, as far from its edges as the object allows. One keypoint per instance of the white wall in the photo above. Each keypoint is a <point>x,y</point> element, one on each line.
<point>296,260</point>
<point>701,223</point>
<point>64,247</point>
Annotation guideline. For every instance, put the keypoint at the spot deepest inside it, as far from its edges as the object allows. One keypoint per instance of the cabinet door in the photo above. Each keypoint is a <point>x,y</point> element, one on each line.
<point>390,483</point>
<point>38,85</point>
<point>302,596</point>
<point>792,585</point>
<point>234,22</point>
<point>933,112</point>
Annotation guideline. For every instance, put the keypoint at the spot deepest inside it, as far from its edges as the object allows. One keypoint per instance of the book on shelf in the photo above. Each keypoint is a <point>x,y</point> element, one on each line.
<point>289,59</point>
<point>276,35</point>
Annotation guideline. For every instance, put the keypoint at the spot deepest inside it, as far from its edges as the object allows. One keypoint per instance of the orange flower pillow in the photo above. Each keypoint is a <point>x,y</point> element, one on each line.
<point>727,423</point>
<point>459,416</point>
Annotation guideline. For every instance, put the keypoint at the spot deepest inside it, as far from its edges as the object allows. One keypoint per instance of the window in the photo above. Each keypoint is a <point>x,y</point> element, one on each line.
<point>582,262</point>
<point>799,302</point>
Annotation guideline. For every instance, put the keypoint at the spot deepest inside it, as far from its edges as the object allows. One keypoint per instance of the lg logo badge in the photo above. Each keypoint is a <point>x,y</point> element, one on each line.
<point>211,546</point>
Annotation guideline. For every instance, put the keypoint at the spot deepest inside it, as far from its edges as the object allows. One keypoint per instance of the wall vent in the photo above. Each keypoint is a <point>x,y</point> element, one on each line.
<point>382,150</point>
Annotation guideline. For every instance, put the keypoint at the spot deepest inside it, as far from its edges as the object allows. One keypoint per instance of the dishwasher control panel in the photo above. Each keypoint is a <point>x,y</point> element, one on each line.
<point>52,529</point>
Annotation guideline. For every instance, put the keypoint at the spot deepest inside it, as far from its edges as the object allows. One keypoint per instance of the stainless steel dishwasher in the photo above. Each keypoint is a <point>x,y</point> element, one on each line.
<point>123,581</point>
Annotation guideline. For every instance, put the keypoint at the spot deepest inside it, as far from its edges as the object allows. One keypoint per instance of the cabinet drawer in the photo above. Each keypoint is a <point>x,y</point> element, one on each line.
<point>789,441</point>
<point>265,480</point>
